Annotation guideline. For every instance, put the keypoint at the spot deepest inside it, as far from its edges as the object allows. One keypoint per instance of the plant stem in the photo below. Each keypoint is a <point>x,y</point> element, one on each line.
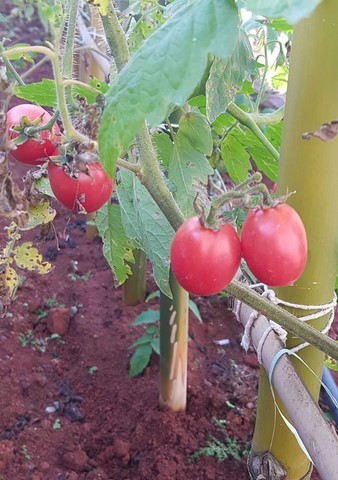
<point>268,118</point>
<point>115,36</point>
<point>67,51</point>
<point>28,72</point>
<point>133,167</point>
<point>265,71</point>
<point>83,85</point>
<point>248,121</point>
<point>284,318</point>
<point>10,67</point>
<point>153,180</point>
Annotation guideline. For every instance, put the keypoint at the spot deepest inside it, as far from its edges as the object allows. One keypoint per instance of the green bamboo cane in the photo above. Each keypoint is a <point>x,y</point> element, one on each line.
<point>174,348</point>
<point>310,168</point>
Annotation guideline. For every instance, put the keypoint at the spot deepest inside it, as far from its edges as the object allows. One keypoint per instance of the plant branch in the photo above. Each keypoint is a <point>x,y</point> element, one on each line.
<point>247,120</point>
<point>268,118</point>
<point>115,37</point>
<point>81,84</point>
<point>265,71</point>
<point>10,67</point>
<point>288,321</point>
<point>133,167</point>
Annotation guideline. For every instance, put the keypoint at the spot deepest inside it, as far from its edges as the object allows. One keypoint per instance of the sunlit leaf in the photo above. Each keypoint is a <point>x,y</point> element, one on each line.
<point>28,257</point>
<point>164,71</point>
<point>292,10</point>
<point>39,214</point>
<point>227,76</point>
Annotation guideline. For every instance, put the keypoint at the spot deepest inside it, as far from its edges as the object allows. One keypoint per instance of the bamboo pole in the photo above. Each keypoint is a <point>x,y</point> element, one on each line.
<point>315,432</point>
<point>310,168</point>
<point>174,348</point>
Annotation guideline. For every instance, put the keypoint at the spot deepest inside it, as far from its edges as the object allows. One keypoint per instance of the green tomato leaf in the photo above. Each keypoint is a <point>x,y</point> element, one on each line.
<point>264,161</point>
<point>146,338</point>
<point>227,76</point>
<point>144,318</point>
<point>235,158</point>
<point>164,71</point>
<point>196,129</point>
<point>292,10</point>
<point>140,359</point>
<point>187,166</point>
<point>44,93</point>
<point>116,247</point>
<point>164,147</point>
<point>146,226</point>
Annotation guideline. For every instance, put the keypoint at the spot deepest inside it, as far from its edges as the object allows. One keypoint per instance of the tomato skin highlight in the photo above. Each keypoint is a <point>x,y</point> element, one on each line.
<point>203,261</point>
<point>91,191</point>
<point>274,245</point>
<point>33,149</point>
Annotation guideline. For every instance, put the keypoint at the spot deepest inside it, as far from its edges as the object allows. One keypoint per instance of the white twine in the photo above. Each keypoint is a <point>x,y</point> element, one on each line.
<point>321,310</point>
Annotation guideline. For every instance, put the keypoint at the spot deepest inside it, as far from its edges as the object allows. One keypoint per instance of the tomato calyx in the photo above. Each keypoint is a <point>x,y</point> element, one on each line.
<point>29,130</point>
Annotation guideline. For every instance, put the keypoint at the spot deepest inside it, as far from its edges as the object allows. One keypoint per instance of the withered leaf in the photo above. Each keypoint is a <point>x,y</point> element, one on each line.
<point>326,132</point>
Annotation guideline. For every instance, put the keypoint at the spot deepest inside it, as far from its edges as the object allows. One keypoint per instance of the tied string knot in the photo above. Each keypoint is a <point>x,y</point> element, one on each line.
<point>318,311</point>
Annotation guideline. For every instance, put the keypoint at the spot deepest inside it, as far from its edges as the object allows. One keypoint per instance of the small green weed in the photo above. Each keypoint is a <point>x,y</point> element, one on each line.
<point>25,453</point>
<point>92,370</point>
<point>40,344</point>
<point>221,450</point>
<point>150,342</point>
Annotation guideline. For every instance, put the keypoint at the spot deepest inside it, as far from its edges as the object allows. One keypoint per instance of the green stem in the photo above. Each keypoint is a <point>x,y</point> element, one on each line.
<point>265,71</point>
<point>28,72</point>
<point>81,84</point>
<point>67,51</point>
<point>288,321</point>
<point>153,180</point>
<point>246,120</point>
<point>30,131</point>
<point>268,118</point>
<point>133,167</point>
<point>10,68</point>
<point>115,36</point>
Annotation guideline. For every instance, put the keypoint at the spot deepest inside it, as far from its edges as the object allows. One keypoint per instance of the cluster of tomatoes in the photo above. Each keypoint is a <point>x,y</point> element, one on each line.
<point>79,191</point>
<point>273,243</point>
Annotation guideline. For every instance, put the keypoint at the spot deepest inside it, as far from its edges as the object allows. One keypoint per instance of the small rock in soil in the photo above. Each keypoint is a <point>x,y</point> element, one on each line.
<point>72,413</point>
<point>58,320</point>
<point>77,461</point>
<point>121,449</point>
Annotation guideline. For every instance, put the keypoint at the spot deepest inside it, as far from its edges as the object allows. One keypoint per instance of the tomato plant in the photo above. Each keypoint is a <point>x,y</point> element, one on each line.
<point>274,244</point>
<point>204,261</point>
<point>34,149</point>
<point>81,190</point>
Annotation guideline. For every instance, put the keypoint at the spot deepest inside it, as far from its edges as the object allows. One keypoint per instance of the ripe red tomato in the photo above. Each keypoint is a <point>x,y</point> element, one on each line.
<point>274,245</point>
<point>34,148</point>
<point>90,191</point>
<point>203,261</point>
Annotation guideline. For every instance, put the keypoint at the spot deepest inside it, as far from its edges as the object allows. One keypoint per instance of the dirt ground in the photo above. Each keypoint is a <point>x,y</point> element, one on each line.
<point>68,407</point>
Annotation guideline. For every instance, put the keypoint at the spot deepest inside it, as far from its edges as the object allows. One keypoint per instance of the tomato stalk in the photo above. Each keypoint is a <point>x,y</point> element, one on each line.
<point>310,168</point>
<point>248,121</point>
